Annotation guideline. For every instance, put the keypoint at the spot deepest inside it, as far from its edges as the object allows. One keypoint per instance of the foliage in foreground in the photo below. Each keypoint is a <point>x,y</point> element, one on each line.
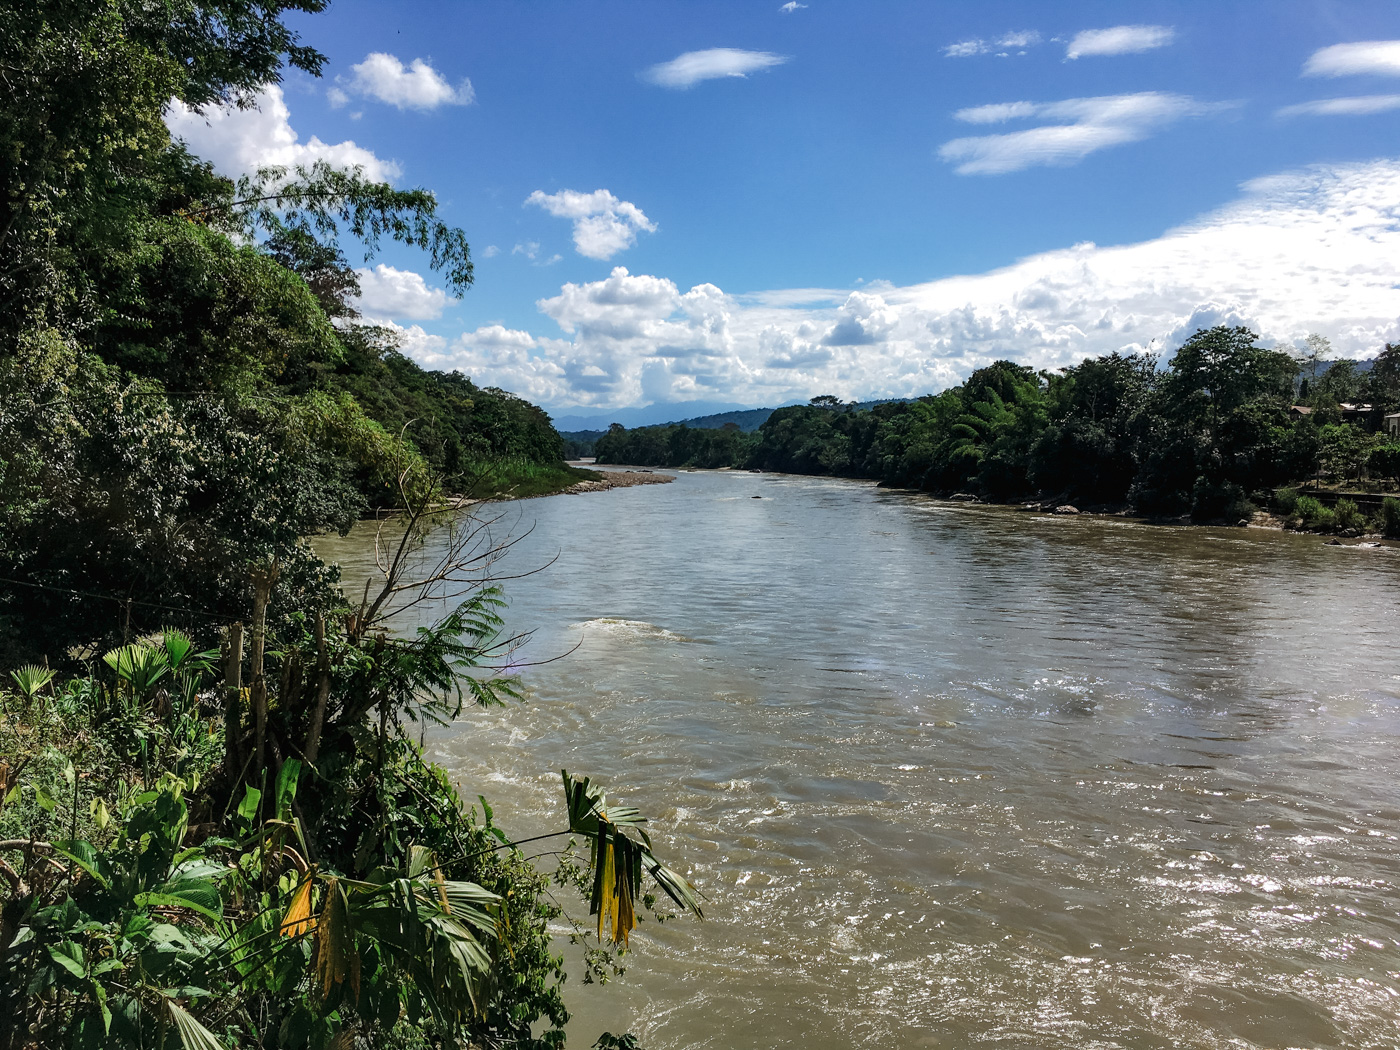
<point>207,847</point>
<point>190,862</point>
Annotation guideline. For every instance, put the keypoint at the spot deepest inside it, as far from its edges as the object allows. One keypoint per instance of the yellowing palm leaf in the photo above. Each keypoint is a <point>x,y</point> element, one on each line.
<point>336,958</point>
<point>621,852</point>
<point>298,920</point>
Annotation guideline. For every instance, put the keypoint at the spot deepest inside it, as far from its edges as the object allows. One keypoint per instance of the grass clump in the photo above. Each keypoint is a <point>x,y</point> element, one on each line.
<point>520,478</point>
<point>1286,501</point>
<point>1348,516</point>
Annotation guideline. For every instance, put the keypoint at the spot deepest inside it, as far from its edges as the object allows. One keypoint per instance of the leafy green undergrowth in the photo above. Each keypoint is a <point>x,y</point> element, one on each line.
<point>174,872</point>
<point>1309,514</point>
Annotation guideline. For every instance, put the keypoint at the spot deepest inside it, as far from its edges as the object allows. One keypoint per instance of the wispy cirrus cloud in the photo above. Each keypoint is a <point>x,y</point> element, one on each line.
<point>1092,124</point>
<point>791,6</point>
<point>1017,41</point>
<point>415,86</point>
<point>1354,106</point>
<point>691,68</point>
<point>531,251</point>
<point>1379,57</point>
<point>1119,40</point>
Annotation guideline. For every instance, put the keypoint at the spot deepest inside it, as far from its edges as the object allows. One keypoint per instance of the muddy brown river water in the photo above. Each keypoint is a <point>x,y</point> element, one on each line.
<point>958,776</point>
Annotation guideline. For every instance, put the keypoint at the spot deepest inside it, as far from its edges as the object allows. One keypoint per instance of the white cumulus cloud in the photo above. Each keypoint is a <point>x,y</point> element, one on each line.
<point>791,6</point>
<point>239,141</point>
<point>413,341</point>
<point>689,69</point>
<point>1092,124</point>
<point>400,294</point>
<point>1304,251</point>
<point>603,224</point>
<point>497,337</point>
<point>415,86</point>
<point>1355,106</point>
<point>1380,57</point>
<point>1119,40</point>
<point>863,320</point>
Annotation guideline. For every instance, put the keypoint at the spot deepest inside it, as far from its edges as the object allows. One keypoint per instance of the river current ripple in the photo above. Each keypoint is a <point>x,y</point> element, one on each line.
<point>954,775</point>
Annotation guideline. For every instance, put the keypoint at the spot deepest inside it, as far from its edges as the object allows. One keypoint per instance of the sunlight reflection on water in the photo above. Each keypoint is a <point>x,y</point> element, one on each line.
<point>952,774</point>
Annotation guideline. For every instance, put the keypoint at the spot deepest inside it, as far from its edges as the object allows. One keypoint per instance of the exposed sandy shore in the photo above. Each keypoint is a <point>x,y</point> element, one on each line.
<point>618,479</point>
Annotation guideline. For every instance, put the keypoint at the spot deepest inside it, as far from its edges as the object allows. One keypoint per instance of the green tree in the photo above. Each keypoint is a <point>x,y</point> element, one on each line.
<point>1217,424</point>
<point>1344,450</point>
<point>1218,370</point>
<point>81,128</point>
<point>988,445</point>
<point>1087,449</point>
<point>1341,383</point>
<point>1383,381</point>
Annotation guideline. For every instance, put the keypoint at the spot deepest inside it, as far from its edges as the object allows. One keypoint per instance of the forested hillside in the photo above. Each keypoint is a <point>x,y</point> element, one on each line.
<point>186,383</point>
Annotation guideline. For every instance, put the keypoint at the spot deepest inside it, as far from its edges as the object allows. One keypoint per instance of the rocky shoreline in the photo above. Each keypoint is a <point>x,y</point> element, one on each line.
<point>617,479</point>
<point>1260,519</point>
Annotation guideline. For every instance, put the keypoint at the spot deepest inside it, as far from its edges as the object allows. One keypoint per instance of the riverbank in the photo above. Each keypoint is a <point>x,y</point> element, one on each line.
<point>1257,519</point>
<point>615,479</point>
<point>1333,514</point>
<point>498,482</point>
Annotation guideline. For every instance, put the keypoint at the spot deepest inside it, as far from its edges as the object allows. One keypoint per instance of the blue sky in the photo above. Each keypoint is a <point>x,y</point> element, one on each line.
<point>746,203</point>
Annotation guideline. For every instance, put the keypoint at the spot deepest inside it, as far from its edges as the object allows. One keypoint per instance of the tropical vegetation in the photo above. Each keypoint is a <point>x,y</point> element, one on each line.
<point>218,824</point>
<point>1221,428</point>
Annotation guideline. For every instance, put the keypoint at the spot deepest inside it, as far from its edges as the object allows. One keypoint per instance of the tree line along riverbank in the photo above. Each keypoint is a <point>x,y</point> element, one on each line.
<point>1222,429</point>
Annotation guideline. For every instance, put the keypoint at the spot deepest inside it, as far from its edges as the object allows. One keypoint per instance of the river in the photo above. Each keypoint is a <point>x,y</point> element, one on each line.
<point>953,775</point>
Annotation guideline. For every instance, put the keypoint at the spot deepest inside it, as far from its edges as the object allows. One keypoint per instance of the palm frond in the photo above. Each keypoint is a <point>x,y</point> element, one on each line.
<point>297,920</point>
<point>193,1035</point>
<point>31,678</point>
<point>621,853</point>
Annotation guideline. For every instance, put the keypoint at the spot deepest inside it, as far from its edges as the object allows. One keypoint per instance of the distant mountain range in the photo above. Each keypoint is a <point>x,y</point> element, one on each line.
<point>648,416</point>
<point>748,419</point>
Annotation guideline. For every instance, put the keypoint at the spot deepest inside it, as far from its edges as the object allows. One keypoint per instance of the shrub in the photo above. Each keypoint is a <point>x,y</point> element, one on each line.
<point>1390,518</point>
<point>1314,516</point>
<point>1238,506</point>
<point>1219,499</point>
<point>1348,515</point>
<point>427,921</point>
<point>1383,461</point>
<point>1286,501</point>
